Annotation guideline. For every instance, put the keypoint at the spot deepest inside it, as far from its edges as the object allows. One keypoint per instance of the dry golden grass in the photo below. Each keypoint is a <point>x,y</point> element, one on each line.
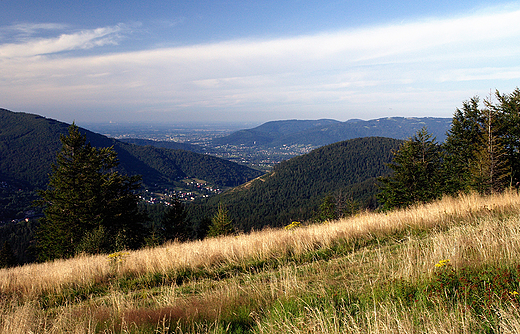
<point>491,241</point>
<point>469,230</point>
<point>52,277</point>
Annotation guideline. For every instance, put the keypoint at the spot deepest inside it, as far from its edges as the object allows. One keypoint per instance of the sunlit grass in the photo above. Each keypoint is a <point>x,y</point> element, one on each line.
<point>354,275</point>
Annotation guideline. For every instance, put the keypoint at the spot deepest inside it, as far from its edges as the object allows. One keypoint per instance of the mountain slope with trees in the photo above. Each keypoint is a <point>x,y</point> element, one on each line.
<point>294,190</point>
<point>29,143</point>
<point>29,146</point>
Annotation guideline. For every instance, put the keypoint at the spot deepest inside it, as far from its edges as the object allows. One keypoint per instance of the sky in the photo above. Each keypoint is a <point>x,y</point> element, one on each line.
<point>183,61</point>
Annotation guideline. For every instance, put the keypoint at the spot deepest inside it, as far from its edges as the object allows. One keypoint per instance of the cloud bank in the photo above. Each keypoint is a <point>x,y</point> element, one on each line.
<point>422,68</point>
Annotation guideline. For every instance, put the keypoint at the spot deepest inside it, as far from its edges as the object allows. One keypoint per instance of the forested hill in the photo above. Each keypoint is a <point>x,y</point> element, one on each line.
<point>296,187</point>
<point>323,132</point>
<point>270,132</point>
<point>29,144</point>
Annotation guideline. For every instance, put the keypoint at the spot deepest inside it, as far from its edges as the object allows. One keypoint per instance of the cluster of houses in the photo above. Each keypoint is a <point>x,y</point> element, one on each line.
<point>194,190</point>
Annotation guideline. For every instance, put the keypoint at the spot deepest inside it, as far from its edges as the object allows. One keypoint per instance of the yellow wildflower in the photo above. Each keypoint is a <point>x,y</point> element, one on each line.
<point>292,225</point>
<point>442,263</point>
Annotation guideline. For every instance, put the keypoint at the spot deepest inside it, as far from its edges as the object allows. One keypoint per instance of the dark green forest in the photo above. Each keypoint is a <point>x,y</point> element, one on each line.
<point>295,188</point>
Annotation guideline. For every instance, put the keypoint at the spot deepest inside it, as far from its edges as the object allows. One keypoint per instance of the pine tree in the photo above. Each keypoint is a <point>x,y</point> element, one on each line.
<point>86,194</point>
<point>508,107</point>
<point>417,173</point>
<point>221,224</point>
<point>481,148</point>
<point>328,210</point>
<point>461,146</point>
<point>489,170</point>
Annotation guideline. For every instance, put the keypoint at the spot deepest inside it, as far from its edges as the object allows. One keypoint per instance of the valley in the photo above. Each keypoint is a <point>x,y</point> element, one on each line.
<point>200,139</point>
<point>268,144</point>
<point>171,157</point>
<point>311,249</point>
<point>270,175</point>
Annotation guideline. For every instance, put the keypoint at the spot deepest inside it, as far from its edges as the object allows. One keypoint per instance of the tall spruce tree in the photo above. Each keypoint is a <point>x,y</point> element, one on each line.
<point>489,170</point>
<point>482,145</point>
<point>417,173</point>
<point>86,196</point>
<point>461,147</point>
<point>508,107</point>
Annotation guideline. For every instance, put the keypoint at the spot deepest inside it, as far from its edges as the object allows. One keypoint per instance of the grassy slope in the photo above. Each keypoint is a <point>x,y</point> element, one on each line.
<point>373,273</point>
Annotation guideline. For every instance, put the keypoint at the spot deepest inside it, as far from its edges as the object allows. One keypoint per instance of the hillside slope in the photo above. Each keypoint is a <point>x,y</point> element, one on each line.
<point>29,144</point>
<point>296,187</point>
<point>451,266</point>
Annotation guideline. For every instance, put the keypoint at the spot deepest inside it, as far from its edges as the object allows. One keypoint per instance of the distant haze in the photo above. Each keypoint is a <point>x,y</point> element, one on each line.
<point>235,61</point>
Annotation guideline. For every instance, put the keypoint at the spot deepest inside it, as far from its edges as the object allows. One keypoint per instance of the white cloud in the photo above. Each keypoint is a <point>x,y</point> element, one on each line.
<point>410,67</point>
<point>84,39</point>
<point>29,29</point>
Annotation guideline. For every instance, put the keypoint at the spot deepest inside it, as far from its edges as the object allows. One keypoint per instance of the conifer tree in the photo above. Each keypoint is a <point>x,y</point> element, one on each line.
<point>328,210</point>
<point>489,171</point>
<point>417,173</point>
<point>85,195</point>
<point>508,107</point>
<point>221,224</point>
<point>482,146</point>
<point>461,146</point>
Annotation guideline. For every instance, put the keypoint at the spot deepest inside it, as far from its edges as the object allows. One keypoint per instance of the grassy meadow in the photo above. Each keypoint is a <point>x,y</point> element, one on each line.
<point>452,266</point>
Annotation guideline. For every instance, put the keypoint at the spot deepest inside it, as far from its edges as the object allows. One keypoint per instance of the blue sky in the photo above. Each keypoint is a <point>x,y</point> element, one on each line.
<point>238,61</point>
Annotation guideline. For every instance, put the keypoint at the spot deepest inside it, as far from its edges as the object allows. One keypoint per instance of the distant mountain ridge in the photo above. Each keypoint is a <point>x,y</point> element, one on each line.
<point>324,132</point>
<point>269,132</point>
<point>29,144</point>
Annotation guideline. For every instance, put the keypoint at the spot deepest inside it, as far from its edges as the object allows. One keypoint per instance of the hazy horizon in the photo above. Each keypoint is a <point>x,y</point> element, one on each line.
<point>231,61</point>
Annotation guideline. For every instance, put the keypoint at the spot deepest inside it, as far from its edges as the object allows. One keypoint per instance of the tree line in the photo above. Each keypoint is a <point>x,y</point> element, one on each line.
<point>481,153</point>
<point>90,207</point>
